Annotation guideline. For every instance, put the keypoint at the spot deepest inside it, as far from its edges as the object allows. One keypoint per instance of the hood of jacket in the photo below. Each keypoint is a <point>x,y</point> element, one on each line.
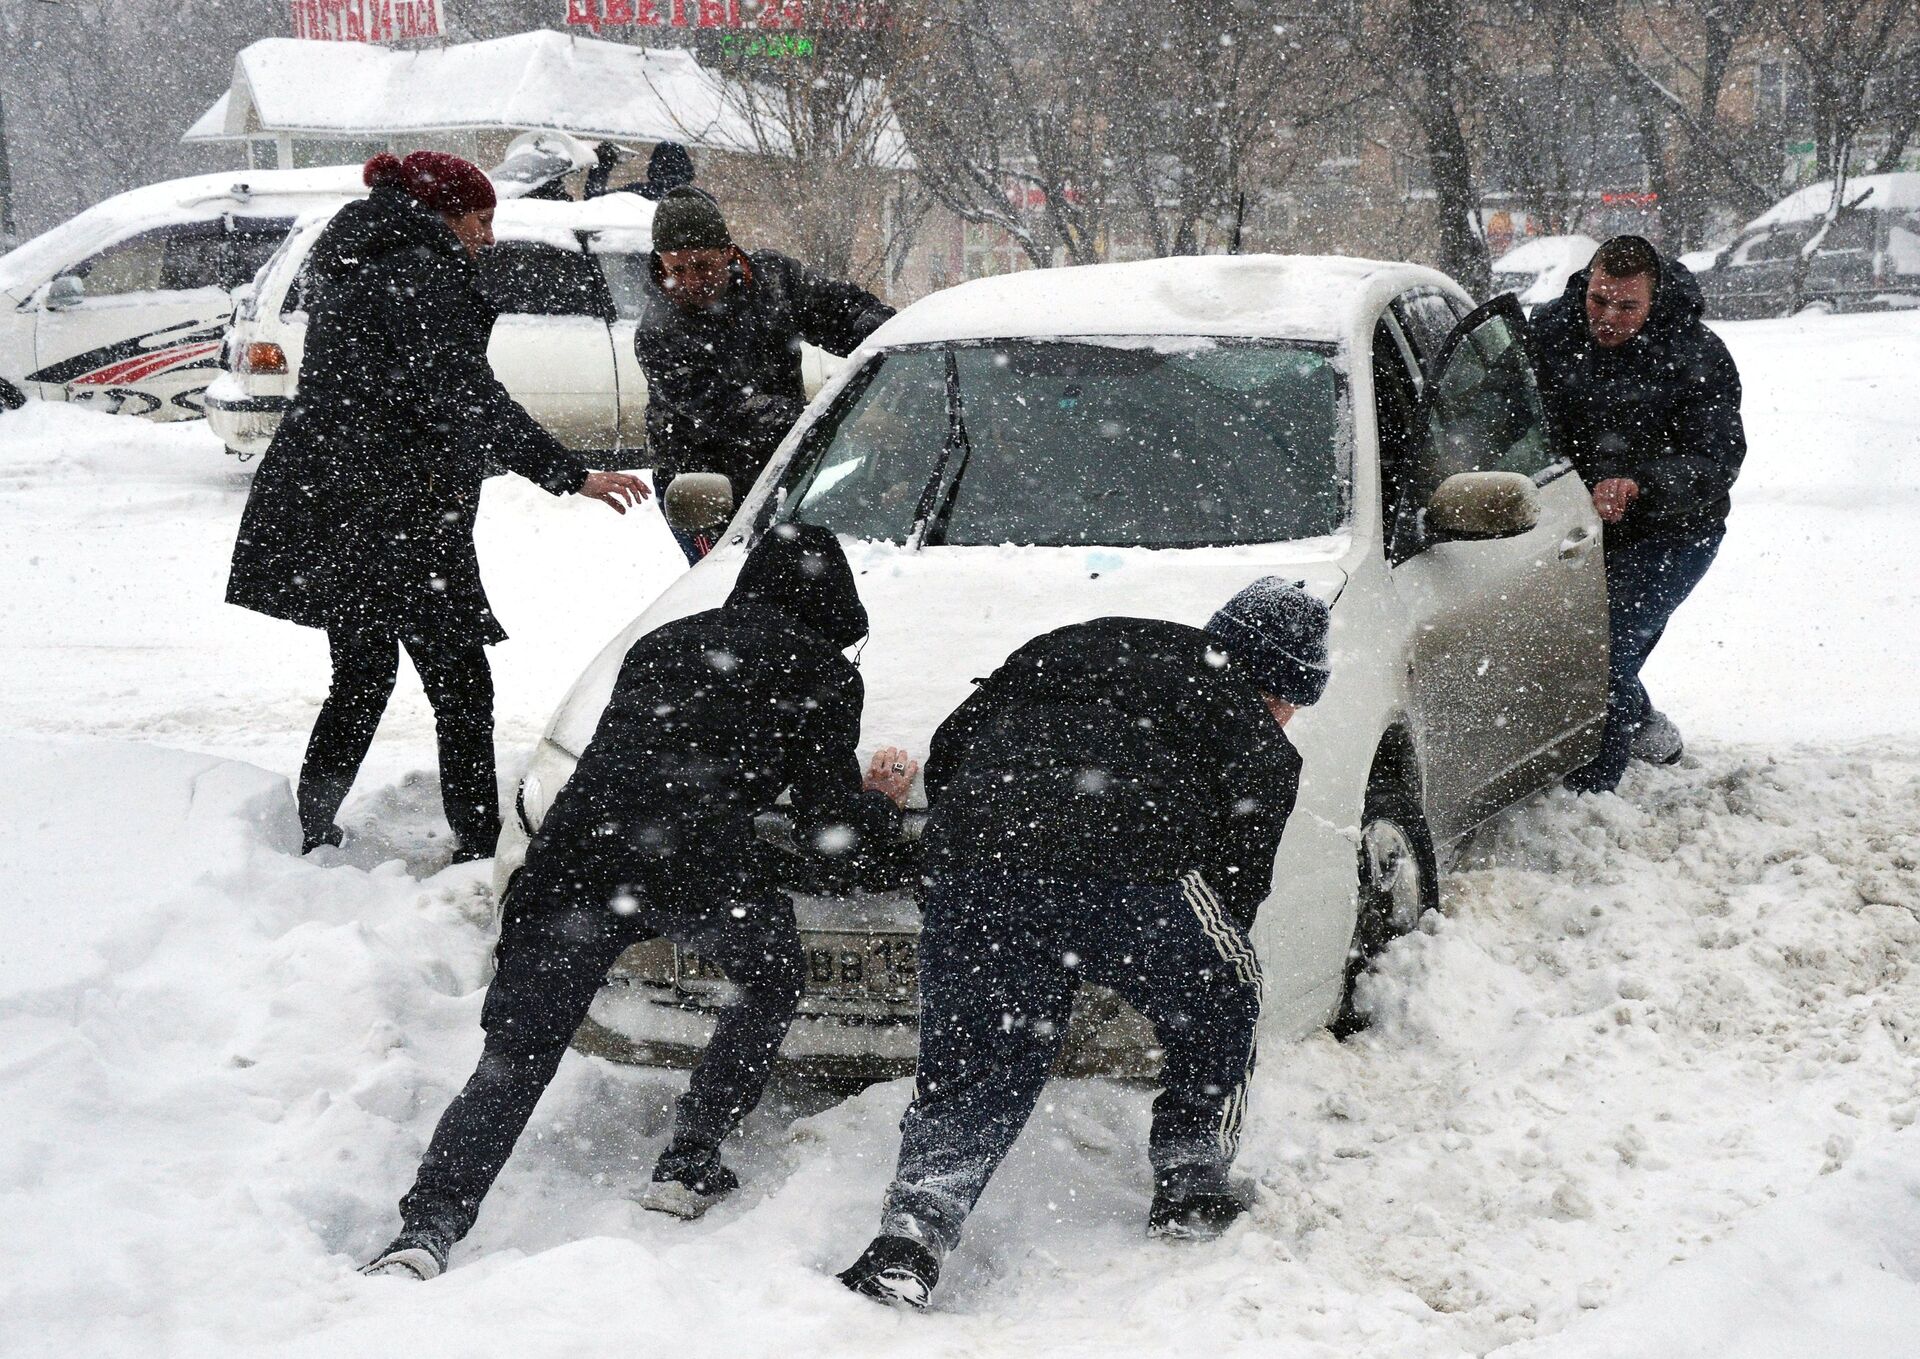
<point>370,231</point>
<point>800,570</point>
<point>1678,303</point>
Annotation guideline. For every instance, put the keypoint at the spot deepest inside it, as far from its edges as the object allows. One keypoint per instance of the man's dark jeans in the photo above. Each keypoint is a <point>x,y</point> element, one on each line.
<point>1646,581</point>
<point>567,919</point>
<point>1000,959</point>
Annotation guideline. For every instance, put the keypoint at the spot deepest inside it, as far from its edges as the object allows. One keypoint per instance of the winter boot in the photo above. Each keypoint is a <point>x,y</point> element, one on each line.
<point>1657,740</point>
<point>688,1180</point>
<point>896,1271</point>
<point>418,1253</point>
<point>312,840</point>
<point>1192,1206</point>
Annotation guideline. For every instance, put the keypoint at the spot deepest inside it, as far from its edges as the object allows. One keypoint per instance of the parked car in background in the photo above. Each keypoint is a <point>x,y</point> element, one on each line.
<point>124,306</point>
<point>1022,452</point>
<point>567,277</point>
<point>1536,271</point>
<point>1796,255</point>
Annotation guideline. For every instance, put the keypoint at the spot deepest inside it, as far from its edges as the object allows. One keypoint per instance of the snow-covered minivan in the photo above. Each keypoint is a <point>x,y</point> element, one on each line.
<point>124,306</point>
<point>567,277</point>
<point>1145,439</point>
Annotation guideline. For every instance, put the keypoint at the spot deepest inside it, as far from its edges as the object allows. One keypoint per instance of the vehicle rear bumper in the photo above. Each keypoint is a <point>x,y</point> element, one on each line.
<point>244,422</point>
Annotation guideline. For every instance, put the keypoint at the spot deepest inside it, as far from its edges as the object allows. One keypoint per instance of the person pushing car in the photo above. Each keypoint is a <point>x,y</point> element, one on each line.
<point>712,718</point>
<point>719,339</point>
<point>1104,807</point>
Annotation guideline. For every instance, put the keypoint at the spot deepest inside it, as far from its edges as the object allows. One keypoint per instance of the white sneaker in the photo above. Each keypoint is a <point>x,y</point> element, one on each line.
<point>1658,740</point>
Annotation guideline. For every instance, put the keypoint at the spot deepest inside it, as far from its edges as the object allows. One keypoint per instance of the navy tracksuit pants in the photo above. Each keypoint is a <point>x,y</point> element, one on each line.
<point>1001,956</point>
<point>567,918</point>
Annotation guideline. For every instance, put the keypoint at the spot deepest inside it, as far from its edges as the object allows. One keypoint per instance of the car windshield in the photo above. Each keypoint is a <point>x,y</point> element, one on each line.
<point>1181,442</point>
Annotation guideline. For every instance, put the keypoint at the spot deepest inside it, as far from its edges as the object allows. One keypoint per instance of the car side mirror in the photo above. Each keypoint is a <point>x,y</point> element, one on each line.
<point>69,290</point>
<point>698,501</point>
<point>1473,506</point>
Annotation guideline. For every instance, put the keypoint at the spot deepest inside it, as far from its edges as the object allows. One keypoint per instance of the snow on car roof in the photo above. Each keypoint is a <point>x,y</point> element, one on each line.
<point>1302,297</point>
<point>1546,252</point>
<point>1883,193</point>
<point>245,193</point>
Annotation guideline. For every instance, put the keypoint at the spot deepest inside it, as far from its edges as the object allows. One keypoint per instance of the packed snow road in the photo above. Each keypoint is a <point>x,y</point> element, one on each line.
<point>1645,1088</point>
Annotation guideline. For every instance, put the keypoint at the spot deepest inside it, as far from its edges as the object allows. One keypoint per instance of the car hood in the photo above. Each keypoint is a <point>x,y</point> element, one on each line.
<point>944,617</point>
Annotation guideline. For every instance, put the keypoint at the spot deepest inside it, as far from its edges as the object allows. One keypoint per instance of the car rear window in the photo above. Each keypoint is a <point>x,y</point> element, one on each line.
<point>1170,443</point>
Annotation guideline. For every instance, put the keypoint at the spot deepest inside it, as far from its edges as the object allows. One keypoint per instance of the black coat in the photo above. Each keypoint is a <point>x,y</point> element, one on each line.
<point>1125,749</point>
<point>1663,409</point>
<point>715,715</point>
<point>362,511</point>
<point>723,382</point>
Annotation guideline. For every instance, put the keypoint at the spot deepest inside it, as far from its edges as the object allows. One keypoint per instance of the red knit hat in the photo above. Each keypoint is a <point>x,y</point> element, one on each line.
<point>439,181</point>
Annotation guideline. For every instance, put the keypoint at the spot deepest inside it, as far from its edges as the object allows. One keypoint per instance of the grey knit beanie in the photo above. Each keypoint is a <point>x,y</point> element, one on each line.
<point>1276,634</point>
<point>689,220</point>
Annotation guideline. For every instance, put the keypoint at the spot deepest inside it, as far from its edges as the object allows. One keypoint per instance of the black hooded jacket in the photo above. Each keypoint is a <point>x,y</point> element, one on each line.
<point>723,382</point>
<point>1663,409</point>
<point>1126,749</point>
<point>362,511</point>
<point>715,715</point>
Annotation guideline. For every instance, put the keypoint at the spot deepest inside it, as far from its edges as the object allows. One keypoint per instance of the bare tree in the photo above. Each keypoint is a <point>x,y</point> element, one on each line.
<point>1845,46</point>
<point>1005,111</point>
<point>830,160</point>
<point>1226,88</point>
<point>1676,59</point>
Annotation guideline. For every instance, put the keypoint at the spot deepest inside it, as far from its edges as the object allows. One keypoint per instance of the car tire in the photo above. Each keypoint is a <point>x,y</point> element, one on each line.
<point>11,397</point>
<point>1398,883</point>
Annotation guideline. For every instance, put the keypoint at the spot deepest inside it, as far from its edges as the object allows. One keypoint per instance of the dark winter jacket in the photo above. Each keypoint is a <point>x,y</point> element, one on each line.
<point>362,511</point>
<point>715,715</point>
<point>723,382</point>
<point>1663,409</point>
<point>1126,749</point>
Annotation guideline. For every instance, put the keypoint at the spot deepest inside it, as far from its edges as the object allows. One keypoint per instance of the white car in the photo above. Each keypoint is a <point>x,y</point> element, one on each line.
<point>1537,271</point>
<point>1023,452</point>
<point>124,306</point>
<point>567,277</point>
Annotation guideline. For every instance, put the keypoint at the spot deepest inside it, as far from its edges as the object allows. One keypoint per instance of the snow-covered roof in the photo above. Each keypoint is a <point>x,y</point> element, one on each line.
<point>529,81</point>
<point>1547,252</point>
<point>1882,193</point>
<point>1302,297</point>
<point>244,193</point>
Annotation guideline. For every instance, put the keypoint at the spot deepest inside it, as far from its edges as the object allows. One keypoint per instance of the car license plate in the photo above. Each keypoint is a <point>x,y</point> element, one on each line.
<point>882,967</point>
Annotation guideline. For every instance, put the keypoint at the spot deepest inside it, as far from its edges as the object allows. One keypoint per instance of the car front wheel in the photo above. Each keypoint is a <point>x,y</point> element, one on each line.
<point>1398,883</point>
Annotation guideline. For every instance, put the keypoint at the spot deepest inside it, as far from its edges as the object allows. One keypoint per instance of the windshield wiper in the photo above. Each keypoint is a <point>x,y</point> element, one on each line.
<point>936,502</point>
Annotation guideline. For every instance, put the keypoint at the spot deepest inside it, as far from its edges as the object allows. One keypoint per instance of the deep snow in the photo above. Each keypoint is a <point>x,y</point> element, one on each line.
<point>1645,1089</point>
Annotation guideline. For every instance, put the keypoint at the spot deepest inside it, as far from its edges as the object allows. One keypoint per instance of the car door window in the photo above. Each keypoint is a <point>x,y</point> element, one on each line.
<point>1771,247</point>
<point>866,464</point>
<point>195,257</point>
<point>1849,234</point>
<point>530,279</point>
<point>1395,401</point>
<point>132,266</point>
<point>1482,405</point>
<point>251,242</point>
<point>626,280</point>
<point>1427,320</point>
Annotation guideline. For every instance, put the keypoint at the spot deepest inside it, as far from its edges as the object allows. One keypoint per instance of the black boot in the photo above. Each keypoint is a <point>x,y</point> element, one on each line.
<point>896,1271</point>
<point>418,1253</point>
<point>311,840</point>
<point>1188,1208</point>
<point>688,1180</point>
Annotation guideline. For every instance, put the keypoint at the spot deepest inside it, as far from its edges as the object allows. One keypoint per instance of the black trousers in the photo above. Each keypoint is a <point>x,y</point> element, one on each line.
<point>459,685</point>
<point>567,919</point>
<point>1000,959</point>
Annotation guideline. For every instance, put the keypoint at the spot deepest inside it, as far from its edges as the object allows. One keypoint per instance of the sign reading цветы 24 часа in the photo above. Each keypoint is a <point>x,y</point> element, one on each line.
<point>791,14</point>
<point>365,20</point>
